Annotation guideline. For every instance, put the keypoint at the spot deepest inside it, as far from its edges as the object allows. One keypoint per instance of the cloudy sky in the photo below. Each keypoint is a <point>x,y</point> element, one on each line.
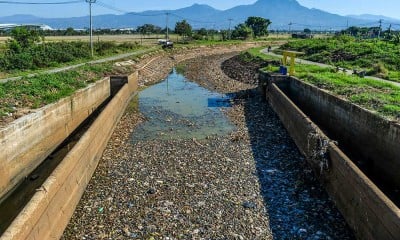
<point>388,8</point>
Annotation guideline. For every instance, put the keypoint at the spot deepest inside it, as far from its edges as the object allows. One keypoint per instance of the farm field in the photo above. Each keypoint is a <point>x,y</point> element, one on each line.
<point>147,39</point>
<point>150,39</point>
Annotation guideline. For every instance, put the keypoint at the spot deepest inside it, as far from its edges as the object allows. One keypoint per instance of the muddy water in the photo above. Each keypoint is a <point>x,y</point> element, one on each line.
<point>179,109</point>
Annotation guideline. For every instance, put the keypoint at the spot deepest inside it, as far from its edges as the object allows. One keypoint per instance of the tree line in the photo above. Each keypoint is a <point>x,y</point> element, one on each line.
<point>373,32</point>
<point>253,27</point>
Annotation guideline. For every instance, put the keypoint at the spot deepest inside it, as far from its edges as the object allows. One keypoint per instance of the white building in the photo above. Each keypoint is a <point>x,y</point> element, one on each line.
<point>10,26</point>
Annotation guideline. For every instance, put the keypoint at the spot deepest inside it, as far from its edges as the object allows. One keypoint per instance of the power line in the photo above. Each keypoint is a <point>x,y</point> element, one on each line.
<point>166,26</point>
<point>290,26</point>
<point>40,3</point>
<point>91,25</point>
<point>229,28</point>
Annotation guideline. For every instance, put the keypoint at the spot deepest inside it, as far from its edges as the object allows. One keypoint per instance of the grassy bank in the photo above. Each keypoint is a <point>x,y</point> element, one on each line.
<point>56,54</point>
<point>35,92</point>
<point>378,58</point>
<point>377,96</point>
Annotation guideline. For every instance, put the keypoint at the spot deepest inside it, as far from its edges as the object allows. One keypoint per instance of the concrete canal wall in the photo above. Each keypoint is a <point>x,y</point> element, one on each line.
<point>26,142</point>
<point>368,211</point>
<point>50,209</point>
<point>360,133</point>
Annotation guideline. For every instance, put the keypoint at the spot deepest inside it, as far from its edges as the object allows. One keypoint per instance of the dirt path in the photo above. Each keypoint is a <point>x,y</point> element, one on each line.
<point>250,184</point>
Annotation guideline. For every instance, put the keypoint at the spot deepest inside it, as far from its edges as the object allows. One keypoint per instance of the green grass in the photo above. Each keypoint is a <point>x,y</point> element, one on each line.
<point>256,52</point>
<point>378,58</point>
<point>62,54</point>
<point>374,95</point>
<point>35,92</point>
<point>38,91</point>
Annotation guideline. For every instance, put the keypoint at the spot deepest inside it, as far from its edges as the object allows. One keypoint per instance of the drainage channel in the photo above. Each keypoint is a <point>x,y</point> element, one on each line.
<point>16,200</point>
<point>388,188</point>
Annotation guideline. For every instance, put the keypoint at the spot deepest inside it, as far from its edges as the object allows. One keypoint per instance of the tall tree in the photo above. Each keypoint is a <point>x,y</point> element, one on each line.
<point>259,25</point>
<point>242,31</point>
<point>183,28</point>
<point>148,29</point>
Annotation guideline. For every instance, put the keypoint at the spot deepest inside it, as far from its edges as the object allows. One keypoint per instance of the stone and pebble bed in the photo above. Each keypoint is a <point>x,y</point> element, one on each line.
<point>251,184</point>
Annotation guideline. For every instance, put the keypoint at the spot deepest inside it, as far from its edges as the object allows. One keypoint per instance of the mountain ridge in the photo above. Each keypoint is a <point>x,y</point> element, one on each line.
<point>284,14</point>
<point>372,17</point>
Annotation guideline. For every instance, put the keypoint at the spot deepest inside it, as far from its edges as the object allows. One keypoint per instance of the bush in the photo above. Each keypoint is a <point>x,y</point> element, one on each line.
<point>101,48</point>
<point>129,45</point>
<point>379,70</point>
<point>54,53</point>
<point>15,61</point>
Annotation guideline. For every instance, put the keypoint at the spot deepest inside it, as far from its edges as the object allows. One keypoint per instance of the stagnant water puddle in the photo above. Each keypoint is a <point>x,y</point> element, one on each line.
<point>179,109</point>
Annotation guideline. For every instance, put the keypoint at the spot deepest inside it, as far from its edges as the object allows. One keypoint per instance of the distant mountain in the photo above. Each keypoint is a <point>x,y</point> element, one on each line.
<point>373,17</point>
<point>20,18</point>
<point>284,14</point>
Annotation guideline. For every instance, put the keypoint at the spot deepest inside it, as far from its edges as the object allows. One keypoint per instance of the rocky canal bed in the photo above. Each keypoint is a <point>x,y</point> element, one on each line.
<point>249,184</point>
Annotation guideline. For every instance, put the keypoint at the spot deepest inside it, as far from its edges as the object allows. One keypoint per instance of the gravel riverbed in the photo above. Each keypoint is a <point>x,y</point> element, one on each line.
<point>250,184</point>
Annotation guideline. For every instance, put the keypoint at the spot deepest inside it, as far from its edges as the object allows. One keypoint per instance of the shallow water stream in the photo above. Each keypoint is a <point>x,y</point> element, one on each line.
<point>179,109</point>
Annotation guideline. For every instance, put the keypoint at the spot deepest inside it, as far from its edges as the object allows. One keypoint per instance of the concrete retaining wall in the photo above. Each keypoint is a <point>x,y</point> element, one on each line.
<point>49,211</point>
<point>366,209</point>
<point>29,140</point>
<point>371,140</point>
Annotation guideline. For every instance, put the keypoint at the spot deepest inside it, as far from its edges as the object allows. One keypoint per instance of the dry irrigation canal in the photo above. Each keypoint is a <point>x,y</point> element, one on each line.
<point>188,162</point>
<point>200,155</point>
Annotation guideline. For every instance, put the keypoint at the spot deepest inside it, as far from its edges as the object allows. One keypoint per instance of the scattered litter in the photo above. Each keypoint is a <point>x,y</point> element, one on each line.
<point>251,184</point>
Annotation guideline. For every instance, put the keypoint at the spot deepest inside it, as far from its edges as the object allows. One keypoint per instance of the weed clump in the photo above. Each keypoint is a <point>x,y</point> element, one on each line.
<point>379,70</point>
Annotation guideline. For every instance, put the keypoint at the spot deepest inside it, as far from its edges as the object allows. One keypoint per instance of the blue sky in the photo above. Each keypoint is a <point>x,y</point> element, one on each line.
<point>390,8</point>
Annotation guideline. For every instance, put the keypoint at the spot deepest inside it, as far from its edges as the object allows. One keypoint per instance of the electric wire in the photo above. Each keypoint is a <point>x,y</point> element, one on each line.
<point>41,3</point>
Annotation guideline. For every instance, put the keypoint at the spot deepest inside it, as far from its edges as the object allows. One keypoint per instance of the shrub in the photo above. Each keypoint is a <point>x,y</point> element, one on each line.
<point>379,70</point>
<point>54,53</point>
<point>17,61</point>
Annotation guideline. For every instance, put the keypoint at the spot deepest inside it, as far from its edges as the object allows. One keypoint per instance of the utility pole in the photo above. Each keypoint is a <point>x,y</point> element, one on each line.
<point>380,28</point>
<point>229,29</point>
<point>167,34</point>
<point>91,25</point>
<point>290,26</point>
